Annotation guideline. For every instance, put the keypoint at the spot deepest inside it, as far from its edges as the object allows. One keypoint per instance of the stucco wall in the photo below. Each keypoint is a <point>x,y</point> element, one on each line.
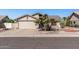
<point>24,18</point>
<point>30,18</point>
<point>15,25</point>
<point>8,25</point>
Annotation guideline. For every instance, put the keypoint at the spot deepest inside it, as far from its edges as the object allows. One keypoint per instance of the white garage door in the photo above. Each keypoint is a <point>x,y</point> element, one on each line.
<point>27,25</point>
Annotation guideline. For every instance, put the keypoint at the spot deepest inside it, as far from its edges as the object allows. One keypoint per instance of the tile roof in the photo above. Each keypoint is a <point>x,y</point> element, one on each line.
<point>25,16</point>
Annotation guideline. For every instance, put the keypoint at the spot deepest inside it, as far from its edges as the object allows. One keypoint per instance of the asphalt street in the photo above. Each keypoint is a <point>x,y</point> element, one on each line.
<point>39,42</point>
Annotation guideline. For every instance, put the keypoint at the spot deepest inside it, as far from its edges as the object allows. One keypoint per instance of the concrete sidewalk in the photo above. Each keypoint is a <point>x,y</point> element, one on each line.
<point>32,33</point>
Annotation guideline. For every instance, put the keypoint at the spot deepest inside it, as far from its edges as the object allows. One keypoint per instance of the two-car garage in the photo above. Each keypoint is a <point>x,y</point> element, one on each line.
<point>26,22</point>
<point>27,25</point>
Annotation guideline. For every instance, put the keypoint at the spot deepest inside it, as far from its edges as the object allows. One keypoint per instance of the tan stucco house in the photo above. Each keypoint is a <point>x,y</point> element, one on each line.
<point>27,21</point>
<point>74,19</point>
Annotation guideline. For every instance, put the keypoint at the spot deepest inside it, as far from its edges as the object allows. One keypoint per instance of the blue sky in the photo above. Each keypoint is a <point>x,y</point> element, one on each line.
<point>14,13</point>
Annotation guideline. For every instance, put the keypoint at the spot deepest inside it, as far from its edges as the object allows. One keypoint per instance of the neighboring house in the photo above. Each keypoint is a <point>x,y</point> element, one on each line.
<point>74,19</point>
<point>55,18</point>
<point>56,22</point>
<point>2,21</point>
<point>27,21</point>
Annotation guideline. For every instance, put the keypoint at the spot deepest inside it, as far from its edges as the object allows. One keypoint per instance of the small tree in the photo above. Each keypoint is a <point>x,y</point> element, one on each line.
<point>46,22</point>
<point>68,22</point>
<point>63,22</point>
<point>64,18</point>
<point>43,22</point>
<point>10,21</point>
<point>39,22</point>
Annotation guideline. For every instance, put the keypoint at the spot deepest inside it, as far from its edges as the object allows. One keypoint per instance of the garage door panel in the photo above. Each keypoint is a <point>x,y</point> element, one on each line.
<point>27,25</point>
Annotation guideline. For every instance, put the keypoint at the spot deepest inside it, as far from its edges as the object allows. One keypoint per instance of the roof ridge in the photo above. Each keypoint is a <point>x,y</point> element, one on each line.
<point>26,15</point>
